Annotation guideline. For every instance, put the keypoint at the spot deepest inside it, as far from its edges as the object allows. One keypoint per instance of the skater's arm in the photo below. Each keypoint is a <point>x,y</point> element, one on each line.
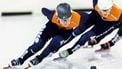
<point>99,37</point>
<point>86,22</point>
<point>94,3</point>
<point>48,13</point>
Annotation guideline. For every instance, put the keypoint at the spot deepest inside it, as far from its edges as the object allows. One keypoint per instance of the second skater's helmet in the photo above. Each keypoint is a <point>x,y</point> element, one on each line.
<point>105,4</point>
<point>63,11</point>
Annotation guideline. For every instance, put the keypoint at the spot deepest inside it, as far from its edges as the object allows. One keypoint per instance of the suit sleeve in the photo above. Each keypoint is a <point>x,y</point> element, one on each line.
<point>94,3</point>
<point>86,22</point>
<point>48,13</point>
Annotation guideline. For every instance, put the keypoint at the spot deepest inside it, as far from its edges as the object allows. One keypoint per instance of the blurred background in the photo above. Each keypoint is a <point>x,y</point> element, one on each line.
<point>35,6</point>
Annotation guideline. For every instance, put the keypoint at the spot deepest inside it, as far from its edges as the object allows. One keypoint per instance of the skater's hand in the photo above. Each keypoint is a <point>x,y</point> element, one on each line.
<point>87,45</point>
<point>92,42</point>
<point>64,53</point>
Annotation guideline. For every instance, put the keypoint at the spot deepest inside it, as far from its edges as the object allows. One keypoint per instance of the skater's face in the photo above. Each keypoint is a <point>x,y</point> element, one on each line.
<point>65,22</point>
<point>106,12</point>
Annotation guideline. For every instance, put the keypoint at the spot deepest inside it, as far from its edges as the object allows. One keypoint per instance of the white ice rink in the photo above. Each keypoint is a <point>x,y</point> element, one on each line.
<point>18,32</point>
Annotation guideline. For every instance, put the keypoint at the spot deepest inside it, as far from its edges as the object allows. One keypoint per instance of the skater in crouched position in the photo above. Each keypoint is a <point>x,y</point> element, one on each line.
<point>104,15</point>
<point>59,27</point>
<point>107,45</point>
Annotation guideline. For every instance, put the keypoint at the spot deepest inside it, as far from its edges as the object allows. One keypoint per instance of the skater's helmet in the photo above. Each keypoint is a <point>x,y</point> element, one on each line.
<point>63,11</point>
<point>105,4</point>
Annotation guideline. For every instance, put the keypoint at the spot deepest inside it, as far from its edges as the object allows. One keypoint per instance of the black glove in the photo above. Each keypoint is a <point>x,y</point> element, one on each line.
<point>48,13</point>
<point>107,45</point>
<point>92,42</point>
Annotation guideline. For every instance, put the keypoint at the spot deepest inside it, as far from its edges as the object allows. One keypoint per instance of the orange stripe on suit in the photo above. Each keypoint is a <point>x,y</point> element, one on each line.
<point>75,21</point>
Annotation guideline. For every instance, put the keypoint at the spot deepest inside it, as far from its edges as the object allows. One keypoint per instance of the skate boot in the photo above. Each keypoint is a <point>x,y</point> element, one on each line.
<point>14,63</point>
<point>105,47</point>
<point>34,61</point>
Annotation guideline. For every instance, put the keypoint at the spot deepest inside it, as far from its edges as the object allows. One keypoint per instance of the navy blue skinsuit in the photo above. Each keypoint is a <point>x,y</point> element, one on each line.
<point>120,31</point>
<point>118,35</point>
<point>100,26</point>
<point>51,31</point>
<point>119,25</point>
